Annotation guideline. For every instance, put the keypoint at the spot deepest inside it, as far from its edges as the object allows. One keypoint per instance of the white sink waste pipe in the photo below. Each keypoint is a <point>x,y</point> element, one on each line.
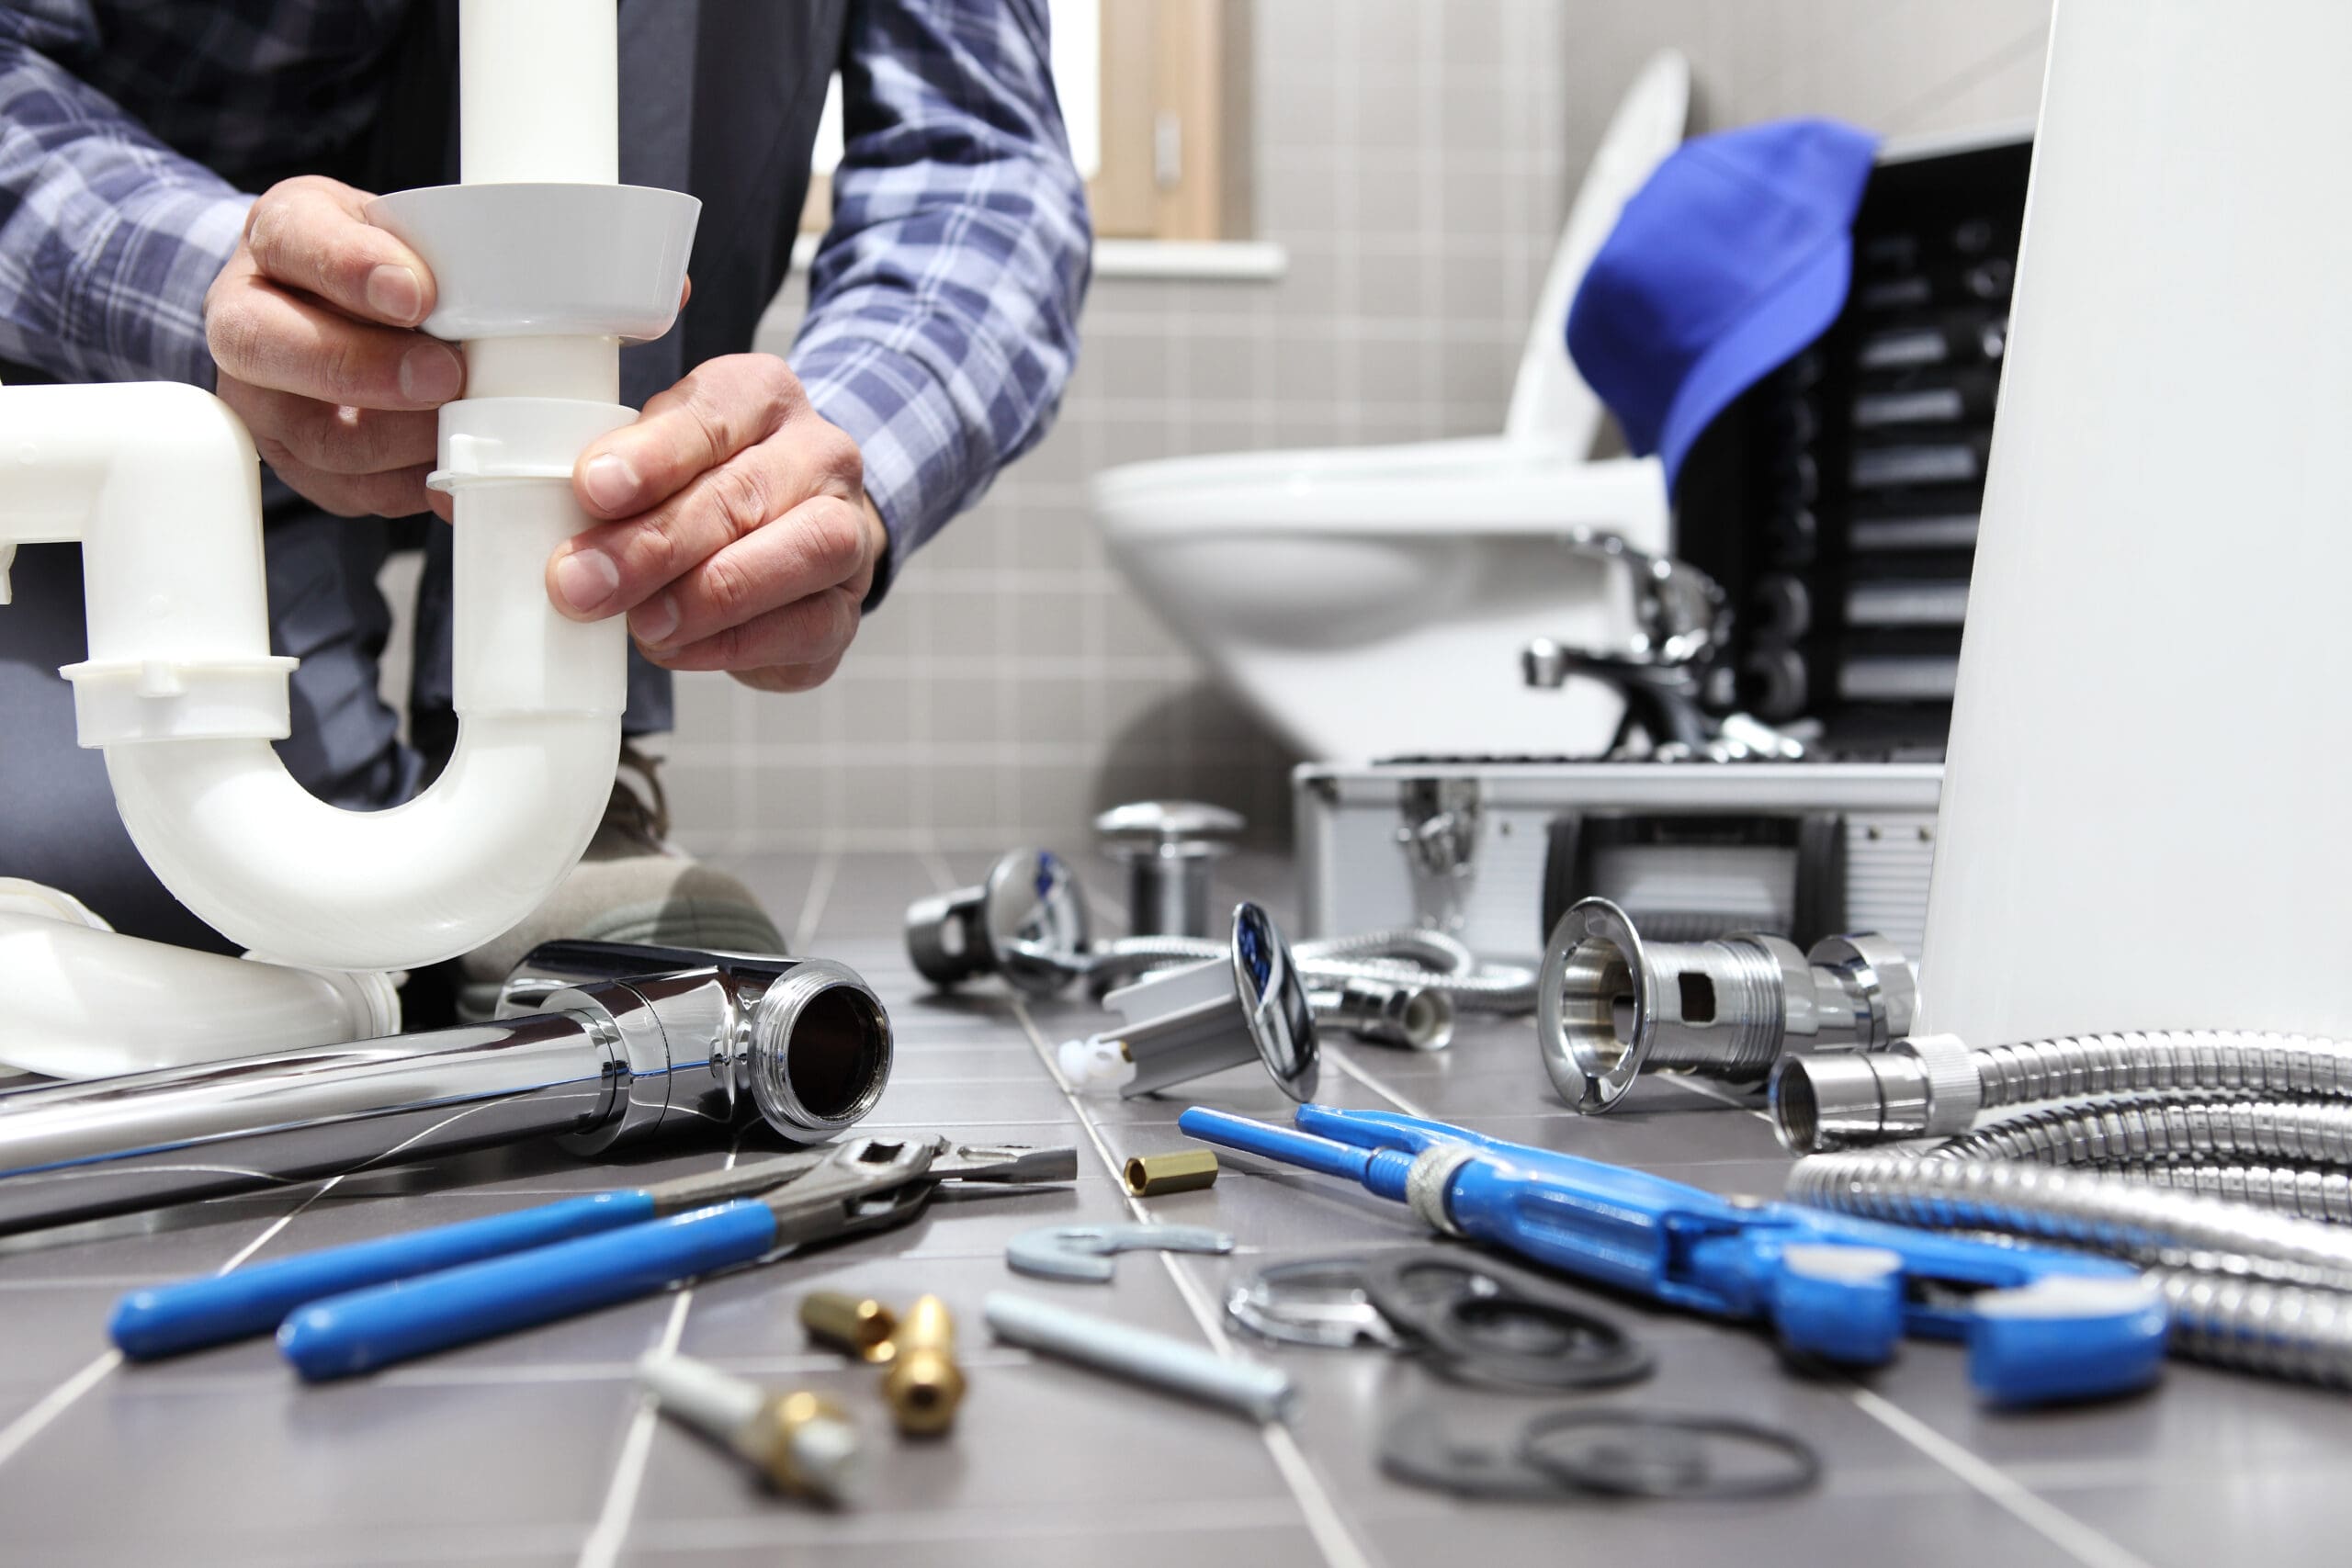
<point>82,1002</point>
<point>542,265</point>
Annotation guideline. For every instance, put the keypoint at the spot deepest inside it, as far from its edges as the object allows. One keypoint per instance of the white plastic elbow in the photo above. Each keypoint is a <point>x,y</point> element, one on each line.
<point>85,1002</point>
<point>183,695</point>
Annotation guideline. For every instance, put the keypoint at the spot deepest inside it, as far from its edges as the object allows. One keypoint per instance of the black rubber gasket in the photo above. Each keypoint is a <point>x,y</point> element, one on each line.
<point>1675,1466</point>
<point>1461,1331</point>
<point>1420,1448</point>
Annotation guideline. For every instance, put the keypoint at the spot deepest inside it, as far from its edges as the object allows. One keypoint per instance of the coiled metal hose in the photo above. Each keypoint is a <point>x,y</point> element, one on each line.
<point>2075,1066</point>
<point>2137,1129</point>
<point>2221,1148</point>
<point>1935,1086</point>
<point>2248,1288</point>
<point>1403,956</point>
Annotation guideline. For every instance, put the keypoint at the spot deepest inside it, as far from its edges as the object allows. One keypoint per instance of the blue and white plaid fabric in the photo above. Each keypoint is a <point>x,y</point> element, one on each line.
<point>943,317</point>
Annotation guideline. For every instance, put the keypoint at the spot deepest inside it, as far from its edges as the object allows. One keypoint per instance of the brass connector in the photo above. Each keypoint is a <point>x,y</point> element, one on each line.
<point>1185,1171</point>
<point>803,1443</point>
<point>923,1384</point>
<point>858,1324</point>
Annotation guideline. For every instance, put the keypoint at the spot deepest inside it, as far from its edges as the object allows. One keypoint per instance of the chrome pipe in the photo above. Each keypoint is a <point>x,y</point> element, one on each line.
<point>804,1046</point>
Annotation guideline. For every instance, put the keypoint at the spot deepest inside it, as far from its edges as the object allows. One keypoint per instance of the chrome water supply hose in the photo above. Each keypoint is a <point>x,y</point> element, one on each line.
<point>1937,1086</point>
<point>2248,1288</point>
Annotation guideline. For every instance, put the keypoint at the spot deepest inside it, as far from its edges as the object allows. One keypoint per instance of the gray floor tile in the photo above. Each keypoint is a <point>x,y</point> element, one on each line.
<point>509,1450</point>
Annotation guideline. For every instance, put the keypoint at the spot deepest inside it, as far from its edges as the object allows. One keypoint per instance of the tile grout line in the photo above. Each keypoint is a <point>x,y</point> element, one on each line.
<point>32,1423</point>
<point>812,906</point>
<point>610,1532</point>
<point>2028,1507</point>
<point>1322,1517</point>
<point>1996,1486</point>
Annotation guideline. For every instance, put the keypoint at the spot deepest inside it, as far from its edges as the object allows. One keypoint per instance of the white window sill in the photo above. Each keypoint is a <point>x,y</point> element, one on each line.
<point>1214,261</point>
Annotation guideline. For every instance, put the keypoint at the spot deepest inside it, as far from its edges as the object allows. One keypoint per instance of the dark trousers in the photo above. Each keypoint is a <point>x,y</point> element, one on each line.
<point>57,818</point>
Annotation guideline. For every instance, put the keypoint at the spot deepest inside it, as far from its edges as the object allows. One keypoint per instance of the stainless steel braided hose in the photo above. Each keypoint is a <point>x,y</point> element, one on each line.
<point>2135,1128</point>
<point>2249,1289</point>
<point>1935,1086</point>
<point>2139,1222</point>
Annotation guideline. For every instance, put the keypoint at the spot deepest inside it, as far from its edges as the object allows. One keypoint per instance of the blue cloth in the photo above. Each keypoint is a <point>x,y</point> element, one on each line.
<point>943,318</point>
<point>1734,256</point>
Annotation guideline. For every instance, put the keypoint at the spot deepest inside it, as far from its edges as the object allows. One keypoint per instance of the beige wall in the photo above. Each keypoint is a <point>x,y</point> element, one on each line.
<point>1415,158</point>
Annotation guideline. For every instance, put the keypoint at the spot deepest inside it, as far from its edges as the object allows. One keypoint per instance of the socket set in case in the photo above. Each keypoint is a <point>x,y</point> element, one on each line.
<point>1836,501</point>
<point>1492,850</point>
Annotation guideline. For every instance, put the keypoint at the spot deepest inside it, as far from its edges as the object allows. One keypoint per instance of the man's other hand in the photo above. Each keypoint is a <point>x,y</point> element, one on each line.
<point>312,323</point>
<point>738,536</point>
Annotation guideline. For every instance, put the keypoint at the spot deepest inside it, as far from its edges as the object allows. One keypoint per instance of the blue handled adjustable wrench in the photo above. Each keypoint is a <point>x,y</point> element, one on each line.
<point>2041,1324</point>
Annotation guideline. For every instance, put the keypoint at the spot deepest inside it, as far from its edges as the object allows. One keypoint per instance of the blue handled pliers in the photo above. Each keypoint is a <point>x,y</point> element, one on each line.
<point>2041,1323</point>
<point>351,1309</point>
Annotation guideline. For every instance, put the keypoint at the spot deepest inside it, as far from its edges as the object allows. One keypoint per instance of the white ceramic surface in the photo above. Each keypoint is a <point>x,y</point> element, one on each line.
<point>2143,812</point>
<point>1374,602</point>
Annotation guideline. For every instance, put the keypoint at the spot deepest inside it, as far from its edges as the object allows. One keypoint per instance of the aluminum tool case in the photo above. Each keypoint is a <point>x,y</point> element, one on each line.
<point>1490,851</point>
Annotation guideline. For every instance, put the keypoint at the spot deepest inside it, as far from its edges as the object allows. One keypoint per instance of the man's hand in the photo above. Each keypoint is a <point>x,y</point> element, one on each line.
<point>313,324</point>
<point>741,537</point>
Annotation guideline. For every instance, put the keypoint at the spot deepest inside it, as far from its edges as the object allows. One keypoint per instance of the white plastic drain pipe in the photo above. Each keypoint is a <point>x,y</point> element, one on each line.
<point>542,266</point>
<point>83,1001</point>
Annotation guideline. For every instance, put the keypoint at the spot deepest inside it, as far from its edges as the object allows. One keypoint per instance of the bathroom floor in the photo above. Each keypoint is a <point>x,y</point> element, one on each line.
<point>535,1449</point>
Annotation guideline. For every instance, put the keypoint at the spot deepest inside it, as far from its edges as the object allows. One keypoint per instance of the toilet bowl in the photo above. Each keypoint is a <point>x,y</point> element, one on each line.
<point>1374,602</point>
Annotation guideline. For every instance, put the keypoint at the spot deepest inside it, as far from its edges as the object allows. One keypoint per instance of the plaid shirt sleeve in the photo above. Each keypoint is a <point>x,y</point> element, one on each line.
<point>108,239</point>
<point>944,301</point>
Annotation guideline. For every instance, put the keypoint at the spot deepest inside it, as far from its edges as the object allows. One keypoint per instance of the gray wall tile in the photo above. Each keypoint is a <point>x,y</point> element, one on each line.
<point>1417,158</point>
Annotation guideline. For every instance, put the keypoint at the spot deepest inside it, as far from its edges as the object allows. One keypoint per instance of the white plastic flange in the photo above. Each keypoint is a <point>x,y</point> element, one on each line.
<point>546,260</point>
<point>518,438</point>
<point>121,701</point>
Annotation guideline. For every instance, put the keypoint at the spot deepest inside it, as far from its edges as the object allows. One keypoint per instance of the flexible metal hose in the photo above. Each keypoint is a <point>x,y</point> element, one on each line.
<point>2146,1128</point>
<point>2146,1224</point>
<point>2246,1288</point>
<point>1937,1086</point>
<point>2076,1067</point>
<point>2287,1331</point>
<point>1404,956</point>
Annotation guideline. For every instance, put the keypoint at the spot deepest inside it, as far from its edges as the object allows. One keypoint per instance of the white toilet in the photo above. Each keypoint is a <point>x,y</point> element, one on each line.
<point>1374,600</point>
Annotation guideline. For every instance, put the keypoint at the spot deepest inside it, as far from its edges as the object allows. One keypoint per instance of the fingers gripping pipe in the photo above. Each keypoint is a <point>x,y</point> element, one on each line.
<point>160,485</point>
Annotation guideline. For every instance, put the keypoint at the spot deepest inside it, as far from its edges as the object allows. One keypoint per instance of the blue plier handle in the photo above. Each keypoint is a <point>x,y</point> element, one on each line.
<point>2041,1324</point>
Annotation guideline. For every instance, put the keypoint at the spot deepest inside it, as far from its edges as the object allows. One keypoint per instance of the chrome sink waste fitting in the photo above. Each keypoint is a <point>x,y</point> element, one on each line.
<point>1028,922</point>
<point>1933,1086</point>
<point>803,1044</point>
<point>1168,848</point>
<point>1611,1007</point>
<point>1249,1006</point>
<point>1387,1012</point>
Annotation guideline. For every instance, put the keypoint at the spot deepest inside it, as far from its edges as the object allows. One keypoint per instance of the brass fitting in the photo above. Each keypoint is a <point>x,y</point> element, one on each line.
<point>923,1384</point>
<point>858,1324</point>
<point>1186,1171</point>
<point>803,1443</point>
